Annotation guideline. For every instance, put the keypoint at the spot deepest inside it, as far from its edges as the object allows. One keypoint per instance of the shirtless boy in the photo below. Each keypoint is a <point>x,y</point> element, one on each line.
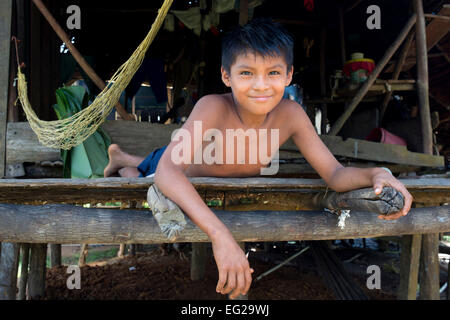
<point>257,66</point>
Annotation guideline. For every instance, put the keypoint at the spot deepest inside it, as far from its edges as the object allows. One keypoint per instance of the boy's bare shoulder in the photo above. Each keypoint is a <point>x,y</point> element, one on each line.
<point>288,109</point>
<point>212,105</point>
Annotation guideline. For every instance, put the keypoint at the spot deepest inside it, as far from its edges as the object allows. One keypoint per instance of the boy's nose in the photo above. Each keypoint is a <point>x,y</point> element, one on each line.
<point>260,83</point>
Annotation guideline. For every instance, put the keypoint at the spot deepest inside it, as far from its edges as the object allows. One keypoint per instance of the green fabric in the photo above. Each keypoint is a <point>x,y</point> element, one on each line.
<point>89,159</point>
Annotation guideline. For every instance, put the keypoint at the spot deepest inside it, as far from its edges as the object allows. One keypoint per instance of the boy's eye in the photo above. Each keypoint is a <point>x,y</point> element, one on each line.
<point>274,73</point>
<point>245,73</point>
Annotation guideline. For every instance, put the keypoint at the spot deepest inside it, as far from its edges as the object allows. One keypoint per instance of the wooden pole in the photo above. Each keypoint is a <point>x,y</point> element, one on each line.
<point>77,55</point>
<point>9,252</point>
<point>25,247</point>
<point>409,266</point>
<point>198,260</point>
<point>84,249</point>
<point>55,255</point>
<point>429,276</point>
<point>373,76</point>
<point>422,79</point>
<point>323,79</point>
<point>73,224</point>
<point>429,267</point>
<point>8,267</point>
<point>5,47</point>
<point>36,278</point>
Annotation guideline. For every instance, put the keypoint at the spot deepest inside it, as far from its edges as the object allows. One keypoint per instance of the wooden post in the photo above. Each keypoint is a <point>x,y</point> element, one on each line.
<point>429,276</point>
<point>55,255</point>
<point>342,34</point>
<point>121,251</point>
<point>24,271</point>
<point>422,78</point>
<point>9,252</point>
<point>83,254</point>
<point>409,266</point>
<point>5,47</point>
<point>36,278</point>
<point>429,268</point>
<point>8,268</point>
<point>198,260</point>
<point>373,76</point>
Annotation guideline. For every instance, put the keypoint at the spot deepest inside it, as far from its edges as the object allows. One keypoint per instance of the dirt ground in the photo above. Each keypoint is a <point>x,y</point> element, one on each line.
<point>153,276</point>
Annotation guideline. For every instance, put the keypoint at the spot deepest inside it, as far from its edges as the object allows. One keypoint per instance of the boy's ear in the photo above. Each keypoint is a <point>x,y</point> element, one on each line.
<point>289,76</point>
<point>225,77</point>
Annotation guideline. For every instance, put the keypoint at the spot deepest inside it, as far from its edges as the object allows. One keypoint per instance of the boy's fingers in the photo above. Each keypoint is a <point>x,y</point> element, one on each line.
<point>378,187</point>
<point>222,281</point>
<point>240,285</point>
<point>231,283</point>
<point>248,280</point>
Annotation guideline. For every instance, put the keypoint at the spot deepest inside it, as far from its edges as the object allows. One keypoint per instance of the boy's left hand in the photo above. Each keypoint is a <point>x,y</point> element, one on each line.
<point>382,178</point>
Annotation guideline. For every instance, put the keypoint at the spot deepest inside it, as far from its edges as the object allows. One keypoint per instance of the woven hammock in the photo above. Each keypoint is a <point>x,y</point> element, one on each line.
<point>70,132</point>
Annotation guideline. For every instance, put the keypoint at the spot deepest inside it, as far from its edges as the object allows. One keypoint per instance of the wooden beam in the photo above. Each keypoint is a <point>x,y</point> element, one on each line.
<point>5,47</point>
<point>73,224</point>
<point>373,76</point>
<point>436,16</point>
<point>23,145</point>
<point>43,191</point>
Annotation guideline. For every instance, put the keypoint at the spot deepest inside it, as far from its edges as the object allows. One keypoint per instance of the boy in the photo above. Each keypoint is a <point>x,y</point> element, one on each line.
<point>257,66</point>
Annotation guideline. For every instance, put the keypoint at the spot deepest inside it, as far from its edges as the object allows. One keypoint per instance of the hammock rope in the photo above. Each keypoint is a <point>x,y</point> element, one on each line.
<point>70,132</point>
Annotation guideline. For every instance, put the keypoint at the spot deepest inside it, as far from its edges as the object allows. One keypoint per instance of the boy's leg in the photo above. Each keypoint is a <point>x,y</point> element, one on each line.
<point>129,172</point>
<point>119,159</point>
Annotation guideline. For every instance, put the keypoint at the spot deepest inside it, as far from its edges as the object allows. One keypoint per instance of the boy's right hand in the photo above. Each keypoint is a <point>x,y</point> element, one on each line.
<point>235,274</point>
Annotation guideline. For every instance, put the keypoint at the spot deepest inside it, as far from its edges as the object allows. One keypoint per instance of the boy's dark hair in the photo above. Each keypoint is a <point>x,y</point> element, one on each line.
<point>261,36</point>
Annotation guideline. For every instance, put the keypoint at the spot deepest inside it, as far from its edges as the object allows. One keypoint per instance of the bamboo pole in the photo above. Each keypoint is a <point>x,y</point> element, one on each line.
<point>373,76</point>
<point>77,56</point>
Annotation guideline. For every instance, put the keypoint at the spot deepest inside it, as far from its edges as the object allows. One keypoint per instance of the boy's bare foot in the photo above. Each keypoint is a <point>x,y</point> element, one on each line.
<point>114,164</point>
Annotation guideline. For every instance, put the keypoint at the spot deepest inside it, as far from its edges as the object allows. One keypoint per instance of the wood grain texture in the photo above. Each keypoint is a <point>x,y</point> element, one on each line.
<point>71,224</point>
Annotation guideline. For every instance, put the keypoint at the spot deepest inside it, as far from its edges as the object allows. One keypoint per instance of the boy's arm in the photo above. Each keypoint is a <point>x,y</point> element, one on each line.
<point>338,177</point>
<point>233,266</point>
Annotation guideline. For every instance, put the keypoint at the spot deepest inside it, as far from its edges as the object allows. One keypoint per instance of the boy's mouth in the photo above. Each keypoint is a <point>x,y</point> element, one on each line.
<point>260,98</point>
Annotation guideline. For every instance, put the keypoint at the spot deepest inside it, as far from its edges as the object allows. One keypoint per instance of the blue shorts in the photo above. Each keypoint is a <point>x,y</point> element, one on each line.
<point>149,165</point>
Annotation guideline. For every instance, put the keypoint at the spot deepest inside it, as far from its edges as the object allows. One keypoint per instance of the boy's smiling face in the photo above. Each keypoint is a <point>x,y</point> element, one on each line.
<point>257,83</point>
